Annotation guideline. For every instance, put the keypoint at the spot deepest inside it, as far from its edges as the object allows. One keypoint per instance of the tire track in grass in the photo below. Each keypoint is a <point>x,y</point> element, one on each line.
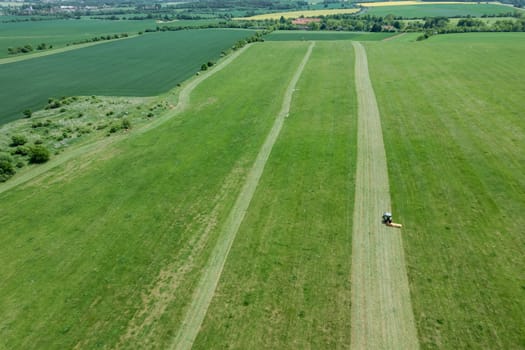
<point>382,315</point>
<point>206,288</point>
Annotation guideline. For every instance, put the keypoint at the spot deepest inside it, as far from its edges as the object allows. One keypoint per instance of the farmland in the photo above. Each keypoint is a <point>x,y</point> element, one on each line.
<point>164,194</point>
<point>445,10</point>
<point>83,72</point>
<point>244,213</point>
<point>454,146</point>
<point>289,268</point>
<point>59,33</point>
<point>304,13</point>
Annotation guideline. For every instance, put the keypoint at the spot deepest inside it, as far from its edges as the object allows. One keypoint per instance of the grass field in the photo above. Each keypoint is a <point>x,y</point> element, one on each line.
<point>286,283</point>
<point>111,263</point>
<point>154,64</point>
<point>435,10</point>
<point>311,35</point>
<point>61,32</point>
<point>297,14</point>
<point>454,137</point>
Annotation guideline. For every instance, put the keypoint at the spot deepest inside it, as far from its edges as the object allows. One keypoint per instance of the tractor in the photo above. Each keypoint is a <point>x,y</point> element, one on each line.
<point>387,220</point>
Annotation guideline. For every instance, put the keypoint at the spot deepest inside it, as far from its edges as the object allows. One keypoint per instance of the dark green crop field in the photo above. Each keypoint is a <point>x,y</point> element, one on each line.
<point>141,66</point>
<point>452,113</point>
<point>59,33</point>
<point>435,10</point>
<point>307,35</point>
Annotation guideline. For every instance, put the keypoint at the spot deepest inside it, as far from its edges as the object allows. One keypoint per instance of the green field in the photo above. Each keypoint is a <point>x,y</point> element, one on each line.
<point>445,10</point>
<point>454,135</point>
<point>76,272</point>
<point>59,33</point>
<point>289,268</point>
<point>110,248</point>
<point>154,63</point>
<point>308,35</point>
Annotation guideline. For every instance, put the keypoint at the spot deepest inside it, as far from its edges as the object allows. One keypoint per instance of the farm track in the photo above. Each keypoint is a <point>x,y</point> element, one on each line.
<point>182,104</point>
<point>381,313</point>
<point>205,290</point>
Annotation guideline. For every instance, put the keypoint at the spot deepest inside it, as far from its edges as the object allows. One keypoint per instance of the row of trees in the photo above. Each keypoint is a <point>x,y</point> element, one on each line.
<point>28,48</point>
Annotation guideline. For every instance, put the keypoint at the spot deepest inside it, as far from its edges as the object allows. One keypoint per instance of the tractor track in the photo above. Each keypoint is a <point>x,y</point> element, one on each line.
<point>381,313</point>
<point>205,290</point>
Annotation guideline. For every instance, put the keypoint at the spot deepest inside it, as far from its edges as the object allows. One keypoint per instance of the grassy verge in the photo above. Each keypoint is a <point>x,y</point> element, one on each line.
<point>454,138</point>
<point>86,247</point>
<point>286,283</point>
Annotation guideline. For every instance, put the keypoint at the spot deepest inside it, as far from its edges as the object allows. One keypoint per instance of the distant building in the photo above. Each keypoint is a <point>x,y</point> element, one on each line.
<point>305,21</point>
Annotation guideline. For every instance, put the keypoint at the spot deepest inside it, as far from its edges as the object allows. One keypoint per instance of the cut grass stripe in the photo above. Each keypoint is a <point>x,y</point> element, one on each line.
<point>381,310</point>
<point>208,283</point>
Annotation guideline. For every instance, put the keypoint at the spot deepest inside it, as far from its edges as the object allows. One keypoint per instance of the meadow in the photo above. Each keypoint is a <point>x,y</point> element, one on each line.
<point>436,10</point>
<point>286,283</point>
<point>111,263</point>
<point>454,137</point>
<point>107,249</point>
<point>321,36</point>
<point>154,64</point>
<point>59,33</point>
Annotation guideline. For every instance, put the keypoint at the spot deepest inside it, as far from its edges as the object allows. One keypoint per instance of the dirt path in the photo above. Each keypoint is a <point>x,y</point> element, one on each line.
<point>381,310</point>
<point>182,104</point>
<point>212,272</point>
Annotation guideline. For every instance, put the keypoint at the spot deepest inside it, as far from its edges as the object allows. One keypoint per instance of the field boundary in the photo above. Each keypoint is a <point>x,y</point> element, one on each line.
<point>205,290</point>
<point>381,313</point>
<point>182,104</point>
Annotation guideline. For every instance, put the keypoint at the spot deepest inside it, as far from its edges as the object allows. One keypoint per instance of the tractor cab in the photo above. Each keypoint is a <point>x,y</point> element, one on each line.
<point>387,218</point>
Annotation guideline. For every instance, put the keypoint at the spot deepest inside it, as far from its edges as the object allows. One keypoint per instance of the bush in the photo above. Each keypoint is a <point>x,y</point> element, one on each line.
<point>204,66</point>
<point>126,124</point>
<point>6,167</point>
<point>18,140</point>
<point>38,154</point>
<point>27,113</point>
<point>22,150</point>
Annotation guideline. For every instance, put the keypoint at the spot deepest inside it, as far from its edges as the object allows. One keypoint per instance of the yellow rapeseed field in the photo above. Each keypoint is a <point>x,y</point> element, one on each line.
<point>296,14</point>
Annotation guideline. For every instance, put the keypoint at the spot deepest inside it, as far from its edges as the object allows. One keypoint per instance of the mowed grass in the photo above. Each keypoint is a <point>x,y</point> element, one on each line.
<point>141,66</point>
<point>286,283</point>
<point>59,33</point>
<point>106,249</point>
<point>452,113</point>
<point>436,10</point>
<point>319,35</point>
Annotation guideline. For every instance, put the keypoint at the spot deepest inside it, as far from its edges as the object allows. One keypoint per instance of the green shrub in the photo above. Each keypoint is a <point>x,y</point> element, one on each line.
<point>126,124</point>
<point>18,140</point>
<point>22,150</point>
<point>6,167</point>
<point>38,154</point>
<point>27,113</point>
